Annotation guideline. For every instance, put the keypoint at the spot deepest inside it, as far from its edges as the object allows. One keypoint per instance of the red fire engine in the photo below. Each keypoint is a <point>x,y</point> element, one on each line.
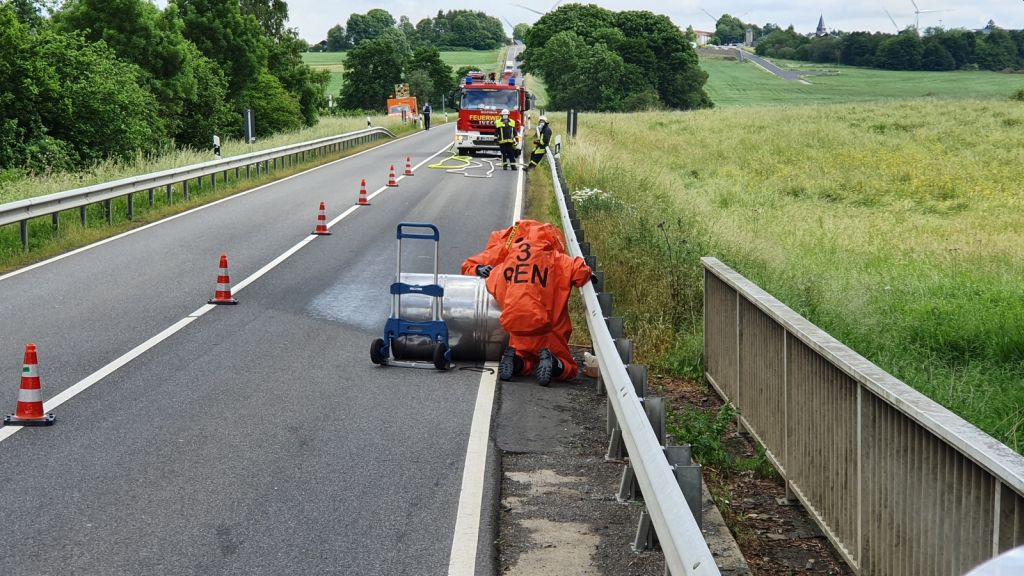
<point>481,103</point>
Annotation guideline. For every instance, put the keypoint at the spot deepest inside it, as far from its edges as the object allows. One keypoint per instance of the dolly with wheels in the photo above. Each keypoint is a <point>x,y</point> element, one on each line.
<point>434,329</point>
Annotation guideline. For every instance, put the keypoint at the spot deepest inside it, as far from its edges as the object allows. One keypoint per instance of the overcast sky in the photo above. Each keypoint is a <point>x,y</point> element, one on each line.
<point>314,17</point>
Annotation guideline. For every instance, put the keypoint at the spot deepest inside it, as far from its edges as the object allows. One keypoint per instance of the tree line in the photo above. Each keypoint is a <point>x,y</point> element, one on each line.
<point>98,79</point>
<point>592,58</point>
<point>991,48</point>
<point>452,30</point>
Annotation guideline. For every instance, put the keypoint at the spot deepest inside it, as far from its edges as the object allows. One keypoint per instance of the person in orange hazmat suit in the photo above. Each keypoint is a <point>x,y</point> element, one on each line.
<point>531,281</point>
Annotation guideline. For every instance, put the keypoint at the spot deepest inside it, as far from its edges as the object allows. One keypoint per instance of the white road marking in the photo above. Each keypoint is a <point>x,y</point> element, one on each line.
<point>110,368</point>
<point>462,560</point>
<point>196,209</point>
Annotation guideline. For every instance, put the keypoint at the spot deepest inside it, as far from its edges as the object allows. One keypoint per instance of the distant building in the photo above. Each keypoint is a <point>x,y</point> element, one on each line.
<point>703,37</point>
<point>821,31</point>
<point>748,38</point>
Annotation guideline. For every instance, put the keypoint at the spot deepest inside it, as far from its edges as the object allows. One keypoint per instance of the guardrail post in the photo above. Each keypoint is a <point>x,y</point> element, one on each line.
<point>82,215</point>
<point>616,326</point>
<point>213,182</point>
<point>152,198</point>
<point>606,301</point>
<point>184,190</point>
<point>645,536</point>
<point>199,183</point>
<point>247,173</point>
<point>23,225</point>
<point>170,193</point>
<point>131,206</point>
<point>109,209</point>
<point>56,221</point>
<point>628,487</point>
<point>585,248</point>
<point>690,478</point>
<point>638,376</point>
<point>654,406</point>
<point>624,346</point>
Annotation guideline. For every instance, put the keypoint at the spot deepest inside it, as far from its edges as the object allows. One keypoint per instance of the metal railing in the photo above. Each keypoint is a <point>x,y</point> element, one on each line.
<point>22,211</point>
<point>899,484</point>
<point>668,513</point>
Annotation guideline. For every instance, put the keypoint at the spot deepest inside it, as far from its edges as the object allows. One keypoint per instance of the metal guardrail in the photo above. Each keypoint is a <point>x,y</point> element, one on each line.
<point>22,211</point>
<point>686,552</point>
<point>899,484</point>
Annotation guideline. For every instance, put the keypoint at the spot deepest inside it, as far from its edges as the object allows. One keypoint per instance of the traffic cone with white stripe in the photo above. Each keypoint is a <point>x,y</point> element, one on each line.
<point>363,201</point>
<point>223,295</point>
<point>30,399</point>
<point>408,166</point>
<point>321,222</point>
<point>391,177</point>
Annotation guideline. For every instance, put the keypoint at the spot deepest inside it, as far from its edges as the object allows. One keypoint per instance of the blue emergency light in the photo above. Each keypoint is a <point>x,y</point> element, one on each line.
<point>511,81</point>
<point>469,80</point>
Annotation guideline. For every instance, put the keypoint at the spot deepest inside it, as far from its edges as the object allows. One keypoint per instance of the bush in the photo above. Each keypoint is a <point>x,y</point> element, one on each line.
<point>1018,95</point>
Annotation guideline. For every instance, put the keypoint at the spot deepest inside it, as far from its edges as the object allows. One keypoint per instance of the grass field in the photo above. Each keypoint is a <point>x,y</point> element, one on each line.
<point>898,227</point>
<point>334,62</point>
<point>731,83</point>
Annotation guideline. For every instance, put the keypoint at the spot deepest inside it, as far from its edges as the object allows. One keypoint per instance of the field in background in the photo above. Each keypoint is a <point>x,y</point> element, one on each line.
<point>732,83</point>
<point>334,62</point>
<point>896,227</point>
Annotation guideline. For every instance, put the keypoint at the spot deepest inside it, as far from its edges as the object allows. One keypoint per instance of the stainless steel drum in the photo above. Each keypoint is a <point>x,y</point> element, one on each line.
<point>469,311</point>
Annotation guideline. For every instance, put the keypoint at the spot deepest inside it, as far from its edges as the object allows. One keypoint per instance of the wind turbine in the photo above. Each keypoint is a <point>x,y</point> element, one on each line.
<point>894,24</point>
<point>524,7</point>
<point>918,12</point>
<point>740,17</point>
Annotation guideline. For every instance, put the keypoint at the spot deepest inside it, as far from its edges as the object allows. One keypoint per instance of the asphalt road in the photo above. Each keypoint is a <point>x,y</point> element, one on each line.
<point>259,438</point>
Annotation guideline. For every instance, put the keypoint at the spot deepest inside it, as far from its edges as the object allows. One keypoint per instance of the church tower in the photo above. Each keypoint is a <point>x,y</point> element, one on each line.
<point>821,27</point>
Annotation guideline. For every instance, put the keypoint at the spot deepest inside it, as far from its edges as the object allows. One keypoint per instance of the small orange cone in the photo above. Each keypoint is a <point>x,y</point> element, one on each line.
<point>363,201</point>
<point>223,295</point>
<point>391,177</point>
<point>30,400</point>
<point>321,222</point>
<point>408,166</point>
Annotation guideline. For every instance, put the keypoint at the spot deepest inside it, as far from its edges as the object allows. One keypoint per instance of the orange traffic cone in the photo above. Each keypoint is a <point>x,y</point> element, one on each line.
<point>363,201</point>
<point>30,400</point>
<point>391,177</point>
<point>408,166</point>
<point>321,222</point>
<point>223,295</point>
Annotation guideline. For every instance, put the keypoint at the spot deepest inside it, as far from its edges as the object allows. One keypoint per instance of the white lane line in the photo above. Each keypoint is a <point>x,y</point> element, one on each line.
<point>462,561</point>
<point>84,384</point>
<point>196,209</point>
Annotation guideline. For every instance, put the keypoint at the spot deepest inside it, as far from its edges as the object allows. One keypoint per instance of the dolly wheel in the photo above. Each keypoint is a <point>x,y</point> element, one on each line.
<point>377,352</point>
<point>440,353</point>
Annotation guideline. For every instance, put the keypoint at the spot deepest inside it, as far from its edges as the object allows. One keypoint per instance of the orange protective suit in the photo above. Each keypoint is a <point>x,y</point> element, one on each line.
<point>531,281</point>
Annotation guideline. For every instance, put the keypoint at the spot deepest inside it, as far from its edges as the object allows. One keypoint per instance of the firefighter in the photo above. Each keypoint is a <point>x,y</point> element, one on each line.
<point>530,276</point>
<point>505,132</point>
<point>540,145</point>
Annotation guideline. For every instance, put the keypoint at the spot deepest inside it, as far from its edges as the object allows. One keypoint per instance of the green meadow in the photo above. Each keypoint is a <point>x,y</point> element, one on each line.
<point>732,83</point>
<point>897,226</point>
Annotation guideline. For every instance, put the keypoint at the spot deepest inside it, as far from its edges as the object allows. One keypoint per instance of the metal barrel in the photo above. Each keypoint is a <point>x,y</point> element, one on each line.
<point>469,311</point>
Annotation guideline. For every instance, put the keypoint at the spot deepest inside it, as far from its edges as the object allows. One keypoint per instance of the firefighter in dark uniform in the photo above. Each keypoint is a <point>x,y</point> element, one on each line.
<point>540,145</point>
<point>505,132</point>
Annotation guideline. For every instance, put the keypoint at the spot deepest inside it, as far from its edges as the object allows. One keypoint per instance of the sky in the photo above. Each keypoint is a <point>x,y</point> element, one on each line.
<point>314,17</point>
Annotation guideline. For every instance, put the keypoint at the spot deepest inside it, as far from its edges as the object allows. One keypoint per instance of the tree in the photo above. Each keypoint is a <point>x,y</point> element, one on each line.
<point>901,52</point>
<point>582,20</point>
<point>337,39</point>
<point>408,30</point>
<point>996,50</point>
<point>776,41</point>
<point>304,84</point>
<point>858,48</point>
<point>271,14</point>
<point>368,26</point>
<point>372,69</point>
<point>276,110</point>
<point>729,30</point>
<point>826,49</point>
<point>226,36</point>
<point>936,57</point>
<point>520,31</point>
<point>420,85</point>
<point>427,59</point>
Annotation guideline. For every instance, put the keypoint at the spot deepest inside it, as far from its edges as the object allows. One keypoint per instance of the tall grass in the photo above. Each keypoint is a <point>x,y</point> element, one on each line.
<point>17,186</point>
<point>896,227</point>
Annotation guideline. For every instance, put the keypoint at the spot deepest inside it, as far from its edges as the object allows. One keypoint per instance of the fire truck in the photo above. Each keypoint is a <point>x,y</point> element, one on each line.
<point>481,100</point>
